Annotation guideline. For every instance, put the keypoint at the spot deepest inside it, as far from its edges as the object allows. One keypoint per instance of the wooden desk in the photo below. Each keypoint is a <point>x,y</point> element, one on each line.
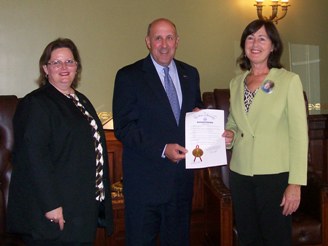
<point>114,149</point>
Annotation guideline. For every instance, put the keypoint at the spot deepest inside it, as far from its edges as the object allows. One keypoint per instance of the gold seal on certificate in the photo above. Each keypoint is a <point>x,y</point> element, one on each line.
<point>198,152</point>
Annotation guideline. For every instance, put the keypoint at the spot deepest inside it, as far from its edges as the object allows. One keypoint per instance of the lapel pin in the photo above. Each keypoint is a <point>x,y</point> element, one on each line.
<point>267,86</point>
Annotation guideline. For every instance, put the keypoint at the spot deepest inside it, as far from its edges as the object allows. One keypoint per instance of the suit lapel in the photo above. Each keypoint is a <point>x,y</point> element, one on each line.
<point>257,109</point>
<point>240,105</point>
<point>183,77</point>
<point>152,79</point>
<point>154,82</point>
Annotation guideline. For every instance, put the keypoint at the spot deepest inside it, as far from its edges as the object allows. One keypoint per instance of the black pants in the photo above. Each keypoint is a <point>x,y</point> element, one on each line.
<point>101,223</point>
<point>168,221</point>
<point>30,242</point>
<point>258,215</point>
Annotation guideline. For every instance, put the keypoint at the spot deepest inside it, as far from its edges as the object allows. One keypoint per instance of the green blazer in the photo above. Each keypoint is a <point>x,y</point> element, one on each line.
<point>273,136</point>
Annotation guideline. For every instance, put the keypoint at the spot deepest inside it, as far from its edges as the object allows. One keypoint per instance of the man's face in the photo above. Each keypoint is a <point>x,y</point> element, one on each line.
<point>162,42</point>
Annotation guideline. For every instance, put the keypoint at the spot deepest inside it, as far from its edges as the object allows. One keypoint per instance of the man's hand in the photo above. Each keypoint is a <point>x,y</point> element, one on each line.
<point>196,109</point>
<point>175,152</point>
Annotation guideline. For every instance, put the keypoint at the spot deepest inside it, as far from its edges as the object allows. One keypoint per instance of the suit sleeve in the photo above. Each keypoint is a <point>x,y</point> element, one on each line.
<point>32,121</point>
<point>298,132</point>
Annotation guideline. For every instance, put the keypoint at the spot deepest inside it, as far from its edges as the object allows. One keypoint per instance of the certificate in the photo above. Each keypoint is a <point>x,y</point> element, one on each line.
<point>206,147</point>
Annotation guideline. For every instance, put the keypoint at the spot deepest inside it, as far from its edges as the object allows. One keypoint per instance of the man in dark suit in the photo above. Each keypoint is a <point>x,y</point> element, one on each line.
<point>157,187</point>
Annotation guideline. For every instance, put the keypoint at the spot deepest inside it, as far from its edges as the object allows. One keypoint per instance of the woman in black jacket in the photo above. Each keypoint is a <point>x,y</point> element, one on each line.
<point>59,191</point>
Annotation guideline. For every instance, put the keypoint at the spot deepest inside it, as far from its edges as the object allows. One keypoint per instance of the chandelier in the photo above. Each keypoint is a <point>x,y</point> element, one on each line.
<point>274,4</point>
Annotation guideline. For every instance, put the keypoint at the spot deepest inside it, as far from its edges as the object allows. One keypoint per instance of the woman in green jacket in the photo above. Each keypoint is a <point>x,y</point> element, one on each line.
<point>267,129</point>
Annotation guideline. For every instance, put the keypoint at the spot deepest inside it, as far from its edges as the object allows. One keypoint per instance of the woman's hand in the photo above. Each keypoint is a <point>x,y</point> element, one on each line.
<point>228,135</point>
<point>291,199</point>
<point>56,216</point>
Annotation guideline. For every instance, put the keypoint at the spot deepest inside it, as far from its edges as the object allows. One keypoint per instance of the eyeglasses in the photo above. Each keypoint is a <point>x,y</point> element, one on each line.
<point>59,64</point>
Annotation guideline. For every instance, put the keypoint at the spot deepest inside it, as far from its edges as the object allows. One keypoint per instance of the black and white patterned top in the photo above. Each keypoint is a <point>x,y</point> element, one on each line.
<point>100,193</point>
<point>248,97</point>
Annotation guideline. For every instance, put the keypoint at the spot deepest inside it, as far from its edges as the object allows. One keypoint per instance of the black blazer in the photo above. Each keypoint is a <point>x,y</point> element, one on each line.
<point>54,165</point>
<point>144,123</point>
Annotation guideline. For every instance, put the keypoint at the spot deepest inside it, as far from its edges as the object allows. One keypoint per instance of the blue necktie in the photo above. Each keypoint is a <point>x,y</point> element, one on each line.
<point>172,94</point>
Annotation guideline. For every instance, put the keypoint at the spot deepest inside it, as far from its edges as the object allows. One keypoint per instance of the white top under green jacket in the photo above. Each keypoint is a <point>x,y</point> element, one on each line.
<point>273,136</point>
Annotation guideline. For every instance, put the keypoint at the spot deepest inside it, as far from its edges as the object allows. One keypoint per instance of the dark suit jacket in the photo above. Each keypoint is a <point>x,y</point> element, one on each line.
<point>54,165</point>
<point>144,123</point>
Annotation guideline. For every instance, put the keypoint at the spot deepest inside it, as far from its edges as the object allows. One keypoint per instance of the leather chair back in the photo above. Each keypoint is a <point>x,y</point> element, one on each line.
<point>220,99</point>
<point>7,109</point>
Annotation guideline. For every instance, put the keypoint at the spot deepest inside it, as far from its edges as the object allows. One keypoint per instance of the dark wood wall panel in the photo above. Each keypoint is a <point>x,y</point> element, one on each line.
<point>318,145</point>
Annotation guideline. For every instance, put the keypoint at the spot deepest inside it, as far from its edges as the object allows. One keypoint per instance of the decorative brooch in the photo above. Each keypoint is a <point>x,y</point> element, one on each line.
<point>267,86</point>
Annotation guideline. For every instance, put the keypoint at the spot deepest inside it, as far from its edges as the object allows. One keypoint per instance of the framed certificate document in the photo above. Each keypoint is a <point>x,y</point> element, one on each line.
<point>205,145</point>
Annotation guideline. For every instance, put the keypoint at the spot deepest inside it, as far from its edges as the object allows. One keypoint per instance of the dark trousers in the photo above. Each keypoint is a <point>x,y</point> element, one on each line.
<point>30,242</point>
<point>258,215</point>
<point>144,223</point>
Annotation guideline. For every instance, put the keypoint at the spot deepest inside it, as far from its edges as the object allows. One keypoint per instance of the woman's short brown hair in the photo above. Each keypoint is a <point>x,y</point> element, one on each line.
<point>46,55</point>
